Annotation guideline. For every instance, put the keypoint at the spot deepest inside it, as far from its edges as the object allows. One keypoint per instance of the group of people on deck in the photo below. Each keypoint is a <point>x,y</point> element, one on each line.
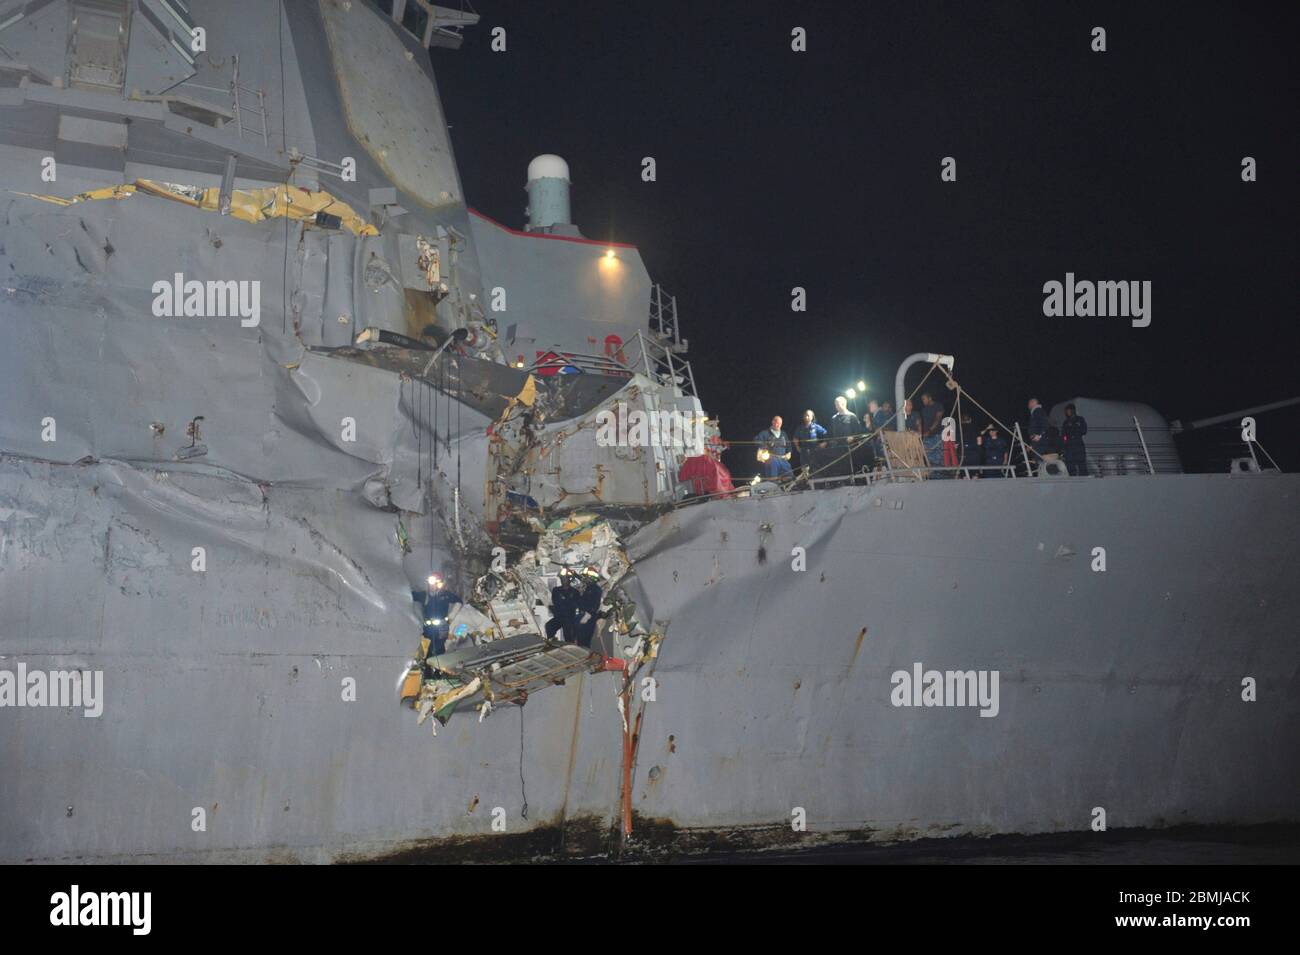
<point>953,448</point>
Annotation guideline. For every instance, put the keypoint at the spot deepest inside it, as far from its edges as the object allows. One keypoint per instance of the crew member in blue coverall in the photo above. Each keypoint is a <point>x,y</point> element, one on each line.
<point>996,447</point>
<point>807,439</point>
<point>436,604</point>
<point>777,444</point>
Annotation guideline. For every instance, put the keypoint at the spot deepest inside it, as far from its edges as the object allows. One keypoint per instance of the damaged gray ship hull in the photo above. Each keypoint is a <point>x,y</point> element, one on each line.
<point>223,513</point>
<point>773,688</point>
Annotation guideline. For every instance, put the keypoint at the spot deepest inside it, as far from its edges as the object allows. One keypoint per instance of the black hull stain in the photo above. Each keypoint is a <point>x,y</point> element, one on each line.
<point>591,841</point>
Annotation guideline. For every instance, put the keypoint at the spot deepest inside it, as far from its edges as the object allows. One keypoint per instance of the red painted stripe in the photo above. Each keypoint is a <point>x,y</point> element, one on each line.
<point>547,235</point>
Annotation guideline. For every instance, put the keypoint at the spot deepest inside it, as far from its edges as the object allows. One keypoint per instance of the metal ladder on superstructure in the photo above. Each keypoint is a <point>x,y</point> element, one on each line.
<point>258,110</point>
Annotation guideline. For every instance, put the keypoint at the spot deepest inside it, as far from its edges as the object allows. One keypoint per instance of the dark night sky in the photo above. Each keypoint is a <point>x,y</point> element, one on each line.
<point>821,169</point>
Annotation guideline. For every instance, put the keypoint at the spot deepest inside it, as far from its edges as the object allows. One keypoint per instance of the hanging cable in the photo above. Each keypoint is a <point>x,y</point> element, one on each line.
<point>417,397</point>
<point>459,437</point>
<point>992,416</point>
<point>433,464</point>
<point>446,434</point>
<point>523,787</point>
<point>1267,455</point>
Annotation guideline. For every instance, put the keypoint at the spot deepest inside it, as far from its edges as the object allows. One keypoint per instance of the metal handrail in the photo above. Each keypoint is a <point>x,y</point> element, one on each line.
<point>645,356</point>
<point>658,362</point>
<point>599,364</point>
<point>890,474</point>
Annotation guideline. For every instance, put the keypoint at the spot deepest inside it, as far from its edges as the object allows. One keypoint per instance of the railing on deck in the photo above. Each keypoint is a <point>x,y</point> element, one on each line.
<point>1133,451</point>
<point>639,355</point>
<point>657,355</point>
<point>1135,454</point>
<point>657,362</point>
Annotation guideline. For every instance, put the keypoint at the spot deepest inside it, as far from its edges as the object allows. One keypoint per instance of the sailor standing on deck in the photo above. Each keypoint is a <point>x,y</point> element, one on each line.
<point>871,424</point>
<point>1040,431</point>
<point>911,420</point>
<point>950,456</point>
<point>995,447</point>
<point>845,429</point>
<point>1073,428</point>
<point>773,450</point>
<point>810,439</point>
<point>932,430</point>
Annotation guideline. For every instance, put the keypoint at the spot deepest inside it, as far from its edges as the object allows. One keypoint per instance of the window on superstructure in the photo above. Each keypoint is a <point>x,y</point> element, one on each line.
<point>415,18</point>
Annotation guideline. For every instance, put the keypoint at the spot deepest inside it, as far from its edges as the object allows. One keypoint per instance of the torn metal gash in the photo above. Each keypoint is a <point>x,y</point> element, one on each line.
<point>498,649</point>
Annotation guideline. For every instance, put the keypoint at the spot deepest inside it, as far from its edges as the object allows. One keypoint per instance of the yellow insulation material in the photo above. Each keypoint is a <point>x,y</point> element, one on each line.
<point>249,205</point>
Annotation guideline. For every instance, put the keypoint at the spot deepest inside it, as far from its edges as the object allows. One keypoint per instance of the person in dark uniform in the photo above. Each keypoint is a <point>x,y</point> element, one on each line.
<point>995,446</point>
<point>869,419</point>
<point>575,608</point>
<point>564,608</point>
<point>1040,437</point>
<point>776,462</point>
<point>868,425</point>
<point>911,420</point>
<point>873,424</point>
<point>845,429</point>
<point>1073,428</point>
<point>588,612</point>
<point>810,439</point>
<point>932,430</point>
<point>437,604</point>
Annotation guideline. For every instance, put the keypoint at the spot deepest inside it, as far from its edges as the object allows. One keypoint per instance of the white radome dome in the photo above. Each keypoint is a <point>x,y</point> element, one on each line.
<point>548,166</point>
